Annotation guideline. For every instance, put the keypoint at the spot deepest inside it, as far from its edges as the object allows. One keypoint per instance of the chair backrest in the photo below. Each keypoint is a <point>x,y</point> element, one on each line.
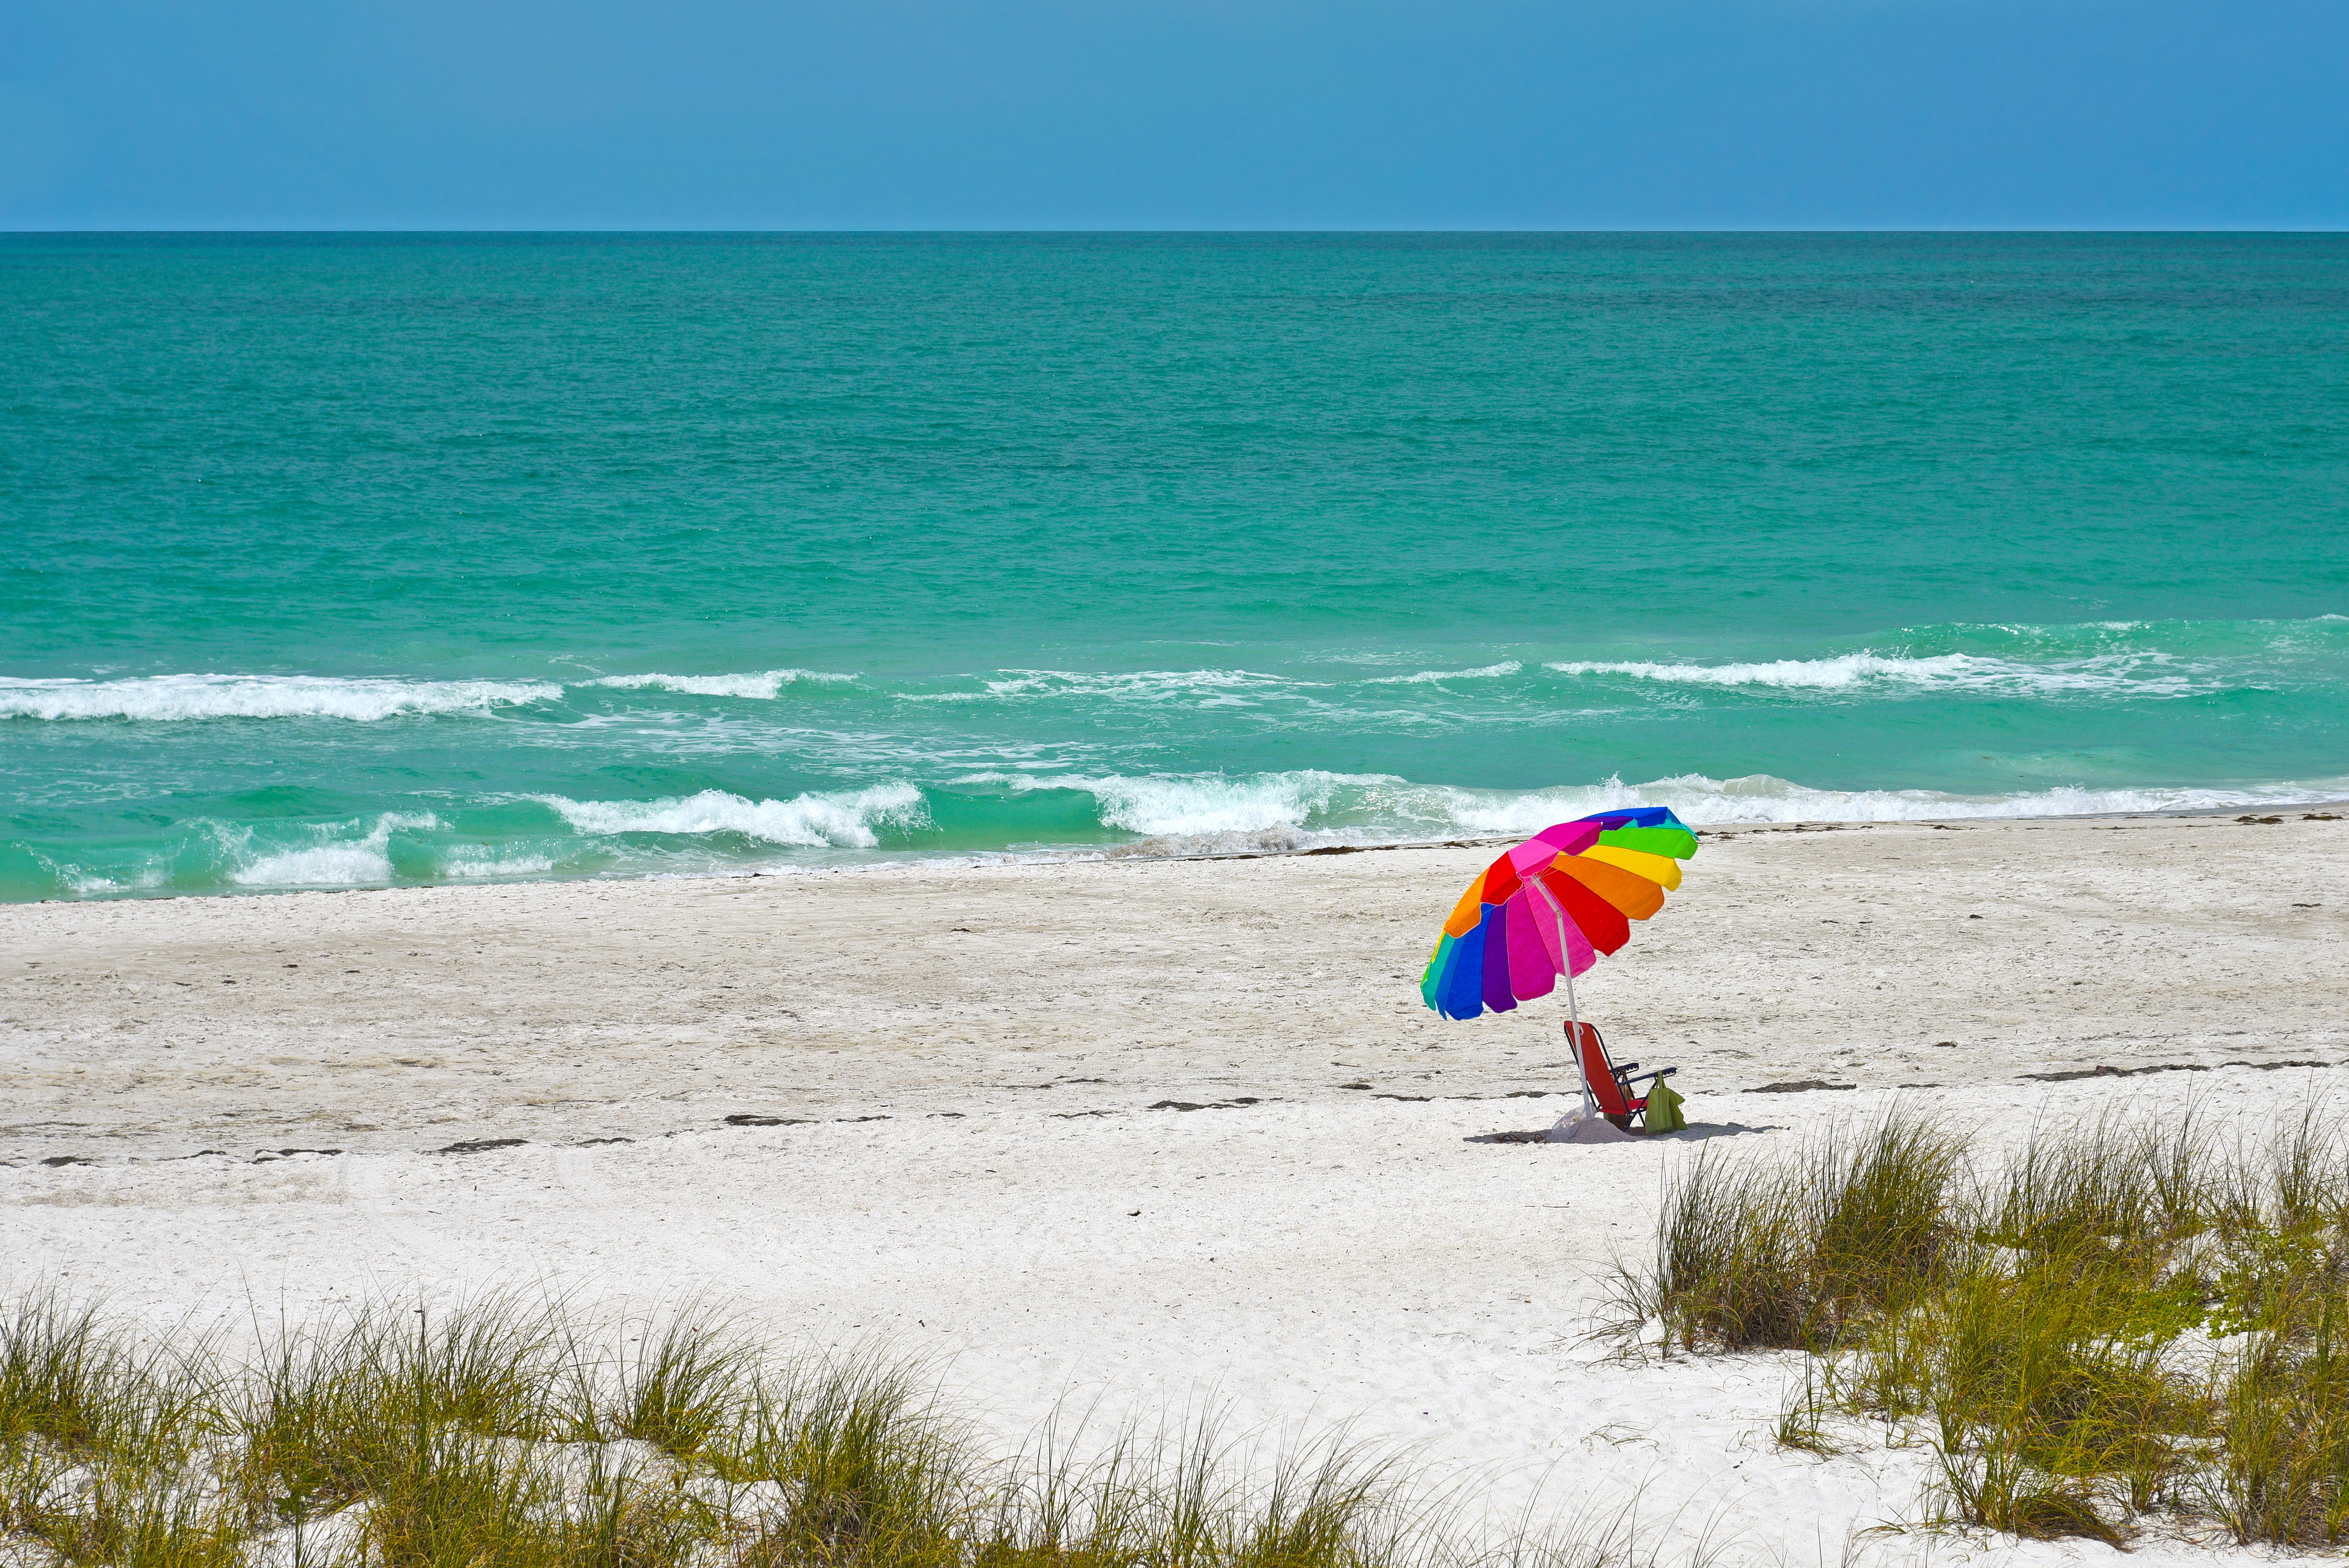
<point>1590,1052</point>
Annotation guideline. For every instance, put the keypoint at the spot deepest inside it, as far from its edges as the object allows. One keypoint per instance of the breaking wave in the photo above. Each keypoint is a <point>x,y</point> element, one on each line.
<point>1429,677</point>
<point>1213,813</point>
<point>510,781</point>
<point>193,697</point>
<point>165,698</point>
<point>474,868</point>
<point>1049,815</point>
<point>2132,675</point>
<point>1193,805</point>
<point>1760,798</point>
<point>1208,687</point>
<point>333,861</point>
<point>766,684</point>
<point>841,821</point>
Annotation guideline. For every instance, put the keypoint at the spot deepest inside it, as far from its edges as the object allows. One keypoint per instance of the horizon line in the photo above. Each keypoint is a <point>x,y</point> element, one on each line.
<point>1107,231</point>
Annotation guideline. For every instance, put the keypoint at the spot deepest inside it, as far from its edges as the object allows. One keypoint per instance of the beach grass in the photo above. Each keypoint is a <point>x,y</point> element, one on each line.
<point>1761,1254</point>
<point>1167,1498</point>
<point>497,1434</point>
<point>2105,1325</point>
<point>681,1384</point>
<point>2116,1320</point>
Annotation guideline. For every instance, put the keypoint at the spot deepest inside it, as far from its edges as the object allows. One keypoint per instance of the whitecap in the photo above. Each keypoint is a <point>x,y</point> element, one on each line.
<point>2138,675</point>
<point>1428,678</point>
<point>1140,686</point>
<point>473,866</point>
<point>1266,812</point>
<point>1699,800</point>
<point>1273,840</point>
<point>846,819</point>
<point>82,883</point>
<point>194,696</point>
<point>1191,805</point>
<point>334,863</point>
<point>766,684</point>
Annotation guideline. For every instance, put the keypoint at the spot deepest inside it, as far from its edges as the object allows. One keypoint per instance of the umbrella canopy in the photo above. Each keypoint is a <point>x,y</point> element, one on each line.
<point>1550,905</point>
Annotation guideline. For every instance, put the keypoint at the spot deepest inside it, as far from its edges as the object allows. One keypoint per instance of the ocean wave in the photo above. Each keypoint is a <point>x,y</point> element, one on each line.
<point>2127,674</point>
<point>1697,799</point>
<point>1211,688</point>
<point>194,696</point>
<point>334,863</point>
<point>847,820</point>
<point>1129,816</point>
<point>1429,677</point>
<point>766,684</point>
<point>80,881</point>
<point>1274,841</point>
<point>474,867</point>
<point>1192,805</point>
<point>1214,813</point>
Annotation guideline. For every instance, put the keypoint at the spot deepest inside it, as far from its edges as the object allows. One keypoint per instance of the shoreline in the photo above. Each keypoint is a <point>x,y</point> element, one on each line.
<point>2318,811</point>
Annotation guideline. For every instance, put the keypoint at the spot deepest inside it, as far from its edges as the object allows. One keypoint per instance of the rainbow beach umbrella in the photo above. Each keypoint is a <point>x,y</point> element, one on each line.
<point>1549,906</point>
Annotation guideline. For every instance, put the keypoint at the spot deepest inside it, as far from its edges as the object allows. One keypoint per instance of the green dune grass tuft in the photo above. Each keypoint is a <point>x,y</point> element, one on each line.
<point>2117,1320</point>
<point>1757,1254</point>
<point>499,1435</point>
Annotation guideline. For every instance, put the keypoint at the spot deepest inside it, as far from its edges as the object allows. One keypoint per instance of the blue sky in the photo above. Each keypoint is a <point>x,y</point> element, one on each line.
<point>1018,114</point>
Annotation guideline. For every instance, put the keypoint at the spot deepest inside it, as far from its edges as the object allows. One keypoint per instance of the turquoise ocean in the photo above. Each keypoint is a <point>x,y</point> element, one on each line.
<point>353,560</point>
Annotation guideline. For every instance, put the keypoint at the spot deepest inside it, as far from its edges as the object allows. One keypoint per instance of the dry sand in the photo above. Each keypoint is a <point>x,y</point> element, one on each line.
<point>1135,1134</point>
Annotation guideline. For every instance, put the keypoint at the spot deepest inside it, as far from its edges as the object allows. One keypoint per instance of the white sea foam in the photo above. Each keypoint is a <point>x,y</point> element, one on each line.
<point>334,861</point>
<point>1760,797</point>
<point>766,684</point>
<point>2135,675</point>
<point>1210,813</point>
<point>82,883</point>
<point>470,866</point>
<point>1271,841</point>
<point>1192,804</point>
<point>1429,677</point>
<point>1170,815</point>
<point>191,696</point>
<point>1144,686</point>
<point>848,820</point>
<point>1196,806</point>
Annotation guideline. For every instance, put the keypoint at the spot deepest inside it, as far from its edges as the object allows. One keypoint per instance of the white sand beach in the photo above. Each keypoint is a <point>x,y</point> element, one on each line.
<point>1136,1136</point>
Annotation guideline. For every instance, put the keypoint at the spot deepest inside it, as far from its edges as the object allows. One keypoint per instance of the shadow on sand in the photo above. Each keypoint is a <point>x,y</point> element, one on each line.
<point>1694,1133</point>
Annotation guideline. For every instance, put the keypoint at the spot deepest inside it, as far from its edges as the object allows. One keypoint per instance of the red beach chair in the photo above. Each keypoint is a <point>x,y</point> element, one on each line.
<point>1609,1085</point>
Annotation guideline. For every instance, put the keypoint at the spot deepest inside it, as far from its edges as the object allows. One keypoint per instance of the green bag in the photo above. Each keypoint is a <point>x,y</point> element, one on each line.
<point>1663,1108</point>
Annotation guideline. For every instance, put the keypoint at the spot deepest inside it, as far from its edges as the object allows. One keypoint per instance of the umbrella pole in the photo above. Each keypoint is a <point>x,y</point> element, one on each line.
<point>1574,1023</point>
<point>1573,1013</point>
